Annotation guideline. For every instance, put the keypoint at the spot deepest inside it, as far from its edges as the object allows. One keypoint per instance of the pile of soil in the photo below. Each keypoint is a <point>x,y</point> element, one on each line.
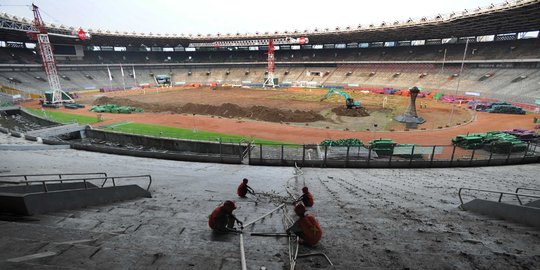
<point>343,111</point>
<point>229,110</point>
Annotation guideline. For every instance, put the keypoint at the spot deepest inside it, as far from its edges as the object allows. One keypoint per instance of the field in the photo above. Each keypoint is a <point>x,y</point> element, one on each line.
<point>283,106</point>
<point>64,118</point>
<point>293,116</point>
<point>180,133</point>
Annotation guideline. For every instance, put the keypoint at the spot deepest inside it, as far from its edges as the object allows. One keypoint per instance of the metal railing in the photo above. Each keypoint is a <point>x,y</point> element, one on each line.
<point>501,193</point>
<point>133,176</point>
<point>522,188</point>
<point>529,189</point>
<point>60,175</point>
<point>84,180</point>
<point>396,156</point>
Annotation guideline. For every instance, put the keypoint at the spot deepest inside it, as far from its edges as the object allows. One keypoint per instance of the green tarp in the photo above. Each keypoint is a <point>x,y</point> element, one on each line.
<point>113,108</point>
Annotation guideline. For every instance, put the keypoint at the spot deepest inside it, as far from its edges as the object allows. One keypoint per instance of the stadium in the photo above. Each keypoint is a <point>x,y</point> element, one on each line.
<point>115,146</point>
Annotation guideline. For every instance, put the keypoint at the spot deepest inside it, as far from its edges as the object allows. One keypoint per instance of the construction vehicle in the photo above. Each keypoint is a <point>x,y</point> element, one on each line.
<point>349,101</point>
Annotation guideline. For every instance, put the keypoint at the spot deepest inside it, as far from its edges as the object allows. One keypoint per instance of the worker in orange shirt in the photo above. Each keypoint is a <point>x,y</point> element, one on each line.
<point>307,228</point>
<point>243,189</point>
<point>222,219</point>
<point>306,198</point>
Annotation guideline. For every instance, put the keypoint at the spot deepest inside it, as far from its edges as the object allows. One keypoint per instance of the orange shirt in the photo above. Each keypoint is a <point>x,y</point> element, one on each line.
<point>218,218</point>
<point>242,189</point>
<point>311,228</point>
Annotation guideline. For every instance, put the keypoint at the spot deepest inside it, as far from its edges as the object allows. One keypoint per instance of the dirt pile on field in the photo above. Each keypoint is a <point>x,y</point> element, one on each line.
<point>224,110</point>
<point>343,111</point>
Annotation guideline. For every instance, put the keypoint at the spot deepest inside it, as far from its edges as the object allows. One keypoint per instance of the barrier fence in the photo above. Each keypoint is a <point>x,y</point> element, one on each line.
<point>395,157</point>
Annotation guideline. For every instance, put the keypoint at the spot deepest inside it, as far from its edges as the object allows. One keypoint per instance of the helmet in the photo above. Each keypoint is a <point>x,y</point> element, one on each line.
<point>245,180</point>
<point>229,205</point>
<point>300,209</point>
<point>305,189</point>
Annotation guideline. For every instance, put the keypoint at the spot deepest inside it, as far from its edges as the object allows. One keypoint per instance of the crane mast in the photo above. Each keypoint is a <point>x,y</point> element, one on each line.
<point>269,81</point>
<point>49,64</point>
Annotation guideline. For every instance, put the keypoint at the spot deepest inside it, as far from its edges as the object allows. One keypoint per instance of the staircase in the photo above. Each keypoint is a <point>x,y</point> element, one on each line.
<point>37,194</point>
<point>523,213</point>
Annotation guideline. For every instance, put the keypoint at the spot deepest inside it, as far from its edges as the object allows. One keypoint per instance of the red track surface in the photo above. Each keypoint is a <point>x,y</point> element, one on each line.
<point>303,135</point>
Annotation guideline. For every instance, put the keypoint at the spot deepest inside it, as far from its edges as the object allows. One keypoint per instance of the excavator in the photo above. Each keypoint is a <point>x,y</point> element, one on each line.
<point>349,101</point>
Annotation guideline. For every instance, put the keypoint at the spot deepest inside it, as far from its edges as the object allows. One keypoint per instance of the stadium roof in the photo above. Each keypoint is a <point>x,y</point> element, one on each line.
<point>509,17</point>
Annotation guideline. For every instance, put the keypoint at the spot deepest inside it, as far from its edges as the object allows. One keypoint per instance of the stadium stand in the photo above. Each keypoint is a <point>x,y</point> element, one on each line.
<point>426,52</point>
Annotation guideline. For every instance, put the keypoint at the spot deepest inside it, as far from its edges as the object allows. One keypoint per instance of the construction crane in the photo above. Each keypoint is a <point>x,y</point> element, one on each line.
<point>49,64</point>
<point>270,80</point>
<point>349,101</point>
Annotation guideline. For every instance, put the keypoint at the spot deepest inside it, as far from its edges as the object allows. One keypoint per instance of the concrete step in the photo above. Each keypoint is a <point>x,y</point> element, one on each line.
<point>56,131</point>
<point>32,266</point>
<point>535,204</point>
<point>516,213</point>
<point>45,202</point>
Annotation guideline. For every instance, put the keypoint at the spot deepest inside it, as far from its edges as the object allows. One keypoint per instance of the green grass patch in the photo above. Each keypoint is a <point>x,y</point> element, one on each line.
<point>64,118</point>
<point>180,133</point>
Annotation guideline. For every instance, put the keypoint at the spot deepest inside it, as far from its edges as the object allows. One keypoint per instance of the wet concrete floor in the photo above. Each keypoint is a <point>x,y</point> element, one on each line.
<point>372,218</point>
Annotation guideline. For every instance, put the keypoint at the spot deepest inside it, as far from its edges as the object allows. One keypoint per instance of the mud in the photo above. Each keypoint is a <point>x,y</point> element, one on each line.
<point>343,111</point>
<point>227,110</point>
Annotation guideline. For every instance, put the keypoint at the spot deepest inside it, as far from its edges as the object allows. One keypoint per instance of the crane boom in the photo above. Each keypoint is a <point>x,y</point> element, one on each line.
<point>350,102</point>
<point>49,64</point>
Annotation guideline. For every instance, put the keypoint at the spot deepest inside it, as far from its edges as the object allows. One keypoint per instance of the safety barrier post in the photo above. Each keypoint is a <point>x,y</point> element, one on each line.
<point>220,153</point>
<point>412,154</point>
<point>526,151</point>
<point>490,153</point>
<point>325,154</point>
<point>390,158</point>
<point>368,156</point>
<point>303,154</point>
<point>432,156</point>
<point>472,157</point>
<point>347,156</point>
<point>453,153</point>
<point>240,152</point>
<point>509,153</point>
<point>281,162</point>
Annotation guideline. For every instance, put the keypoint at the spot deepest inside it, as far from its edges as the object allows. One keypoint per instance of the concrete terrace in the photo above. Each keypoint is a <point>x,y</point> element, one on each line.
<point>372,218</point>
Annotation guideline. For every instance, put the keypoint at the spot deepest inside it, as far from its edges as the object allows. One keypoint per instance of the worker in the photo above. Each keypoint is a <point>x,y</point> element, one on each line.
<point>307,228</point>
<point>243,189</point>
<point>222,219</point>
<point>306,198</point>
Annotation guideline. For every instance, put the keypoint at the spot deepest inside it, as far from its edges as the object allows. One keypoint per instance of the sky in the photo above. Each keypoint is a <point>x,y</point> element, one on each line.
<point>242,16</point>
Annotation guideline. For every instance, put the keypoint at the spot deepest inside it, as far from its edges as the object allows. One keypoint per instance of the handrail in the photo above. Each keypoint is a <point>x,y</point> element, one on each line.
<point>113,178</point>
<point>529,189</point>
<point>497,192</point>
<point>25,176</point>
<point>521,188</point>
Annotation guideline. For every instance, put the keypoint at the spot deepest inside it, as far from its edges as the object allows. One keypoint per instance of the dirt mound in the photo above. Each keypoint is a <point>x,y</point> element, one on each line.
<point>343,111</point>
<point>228,110</point>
